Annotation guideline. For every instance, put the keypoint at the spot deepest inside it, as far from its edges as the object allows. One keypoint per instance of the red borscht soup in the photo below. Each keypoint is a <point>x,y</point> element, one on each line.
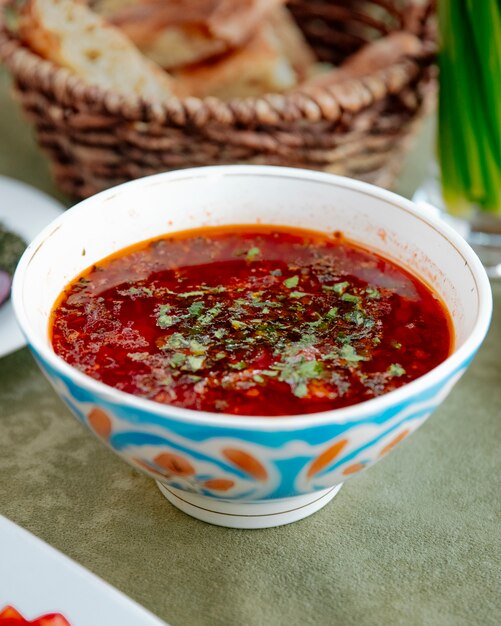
<point>251,320</point>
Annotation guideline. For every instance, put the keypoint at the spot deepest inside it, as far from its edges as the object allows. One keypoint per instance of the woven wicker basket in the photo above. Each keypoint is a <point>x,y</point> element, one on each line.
<point>360,128</point>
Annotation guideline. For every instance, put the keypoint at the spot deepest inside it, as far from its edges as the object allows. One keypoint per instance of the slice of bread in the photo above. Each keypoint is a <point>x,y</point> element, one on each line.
<point>70,34</point>
<point>257,68</point>
<point>176,33</point>
<point>156,30</point>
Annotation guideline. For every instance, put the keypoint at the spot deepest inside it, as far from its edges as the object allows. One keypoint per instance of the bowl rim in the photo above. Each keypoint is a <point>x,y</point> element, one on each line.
<point>265,423</point>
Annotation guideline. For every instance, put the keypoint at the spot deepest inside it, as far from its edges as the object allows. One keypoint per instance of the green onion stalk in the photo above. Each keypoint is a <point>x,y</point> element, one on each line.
<point>469,143</point>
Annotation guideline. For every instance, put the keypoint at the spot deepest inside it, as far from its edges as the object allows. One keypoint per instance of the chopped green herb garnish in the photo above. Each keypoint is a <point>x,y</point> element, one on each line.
<point>356,317</point>
<point>258,378</point>
<point>341,287</point>
<point>396,344</point>
<point>195,363</point>
<point>373,293</point>
<point>210,315</point>
<point>276,272</point>
<point>196,347</point>
<point>196,308</point>
<point>348,354</point>
<point>238,366</point>
<point>298,294</point>
<point>349,297</point>
<point>164,320</point>
<point>396,369</point>
<point>237,325</point>
<point>338,287</point>
<point>310,369</point>
<point>298,372</point>
<point>176,341</point>
<point>193,378</point>
<point>177,359</point>
<point>331,313</point>
<point>300,390</point>
<point>136,291</point>
<point>252,254</point>
<point>190,294</point>
<point>291,282</point>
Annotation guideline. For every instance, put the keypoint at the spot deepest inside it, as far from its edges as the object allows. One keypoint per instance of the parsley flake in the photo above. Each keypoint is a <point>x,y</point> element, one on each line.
<point>358,318</point>
<point>349,297</point>
<point>291,282</point>
<point>136,291</point>
<point>396,369</point>
<point>177,359</point>
<point>196,308</point>
<point>338,287</point>
<point>252,254</point>
<point>190,294</point>
<point>196,347</point>
<point>241,365</point>
<point>373,293</point>
<point>210,315</point>
<point>300,390</point>
<point>349,354</point>
<point>195,363</point>
<point>176,341</point>
<point>331,313</point>
<point>237,325</point>
<point>164,320</point>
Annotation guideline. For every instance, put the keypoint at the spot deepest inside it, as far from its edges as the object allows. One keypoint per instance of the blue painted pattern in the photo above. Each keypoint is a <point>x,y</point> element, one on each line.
<point>241,463</point>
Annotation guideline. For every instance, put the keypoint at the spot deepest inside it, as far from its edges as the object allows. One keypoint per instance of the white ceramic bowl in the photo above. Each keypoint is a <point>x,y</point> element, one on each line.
<point>280,469</point>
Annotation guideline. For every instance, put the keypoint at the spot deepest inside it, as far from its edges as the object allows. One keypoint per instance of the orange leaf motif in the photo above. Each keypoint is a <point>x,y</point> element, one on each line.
<point>246,462</point>
<point>218,484</point>
<point>353,469</point>
<point>394,442</point>
<point>326,458</point>
<point>174,464</point>
<point>100,422</point>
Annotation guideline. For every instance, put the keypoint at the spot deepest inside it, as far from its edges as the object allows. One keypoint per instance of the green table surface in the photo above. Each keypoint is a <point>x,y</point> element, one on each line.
<point>415,540</point>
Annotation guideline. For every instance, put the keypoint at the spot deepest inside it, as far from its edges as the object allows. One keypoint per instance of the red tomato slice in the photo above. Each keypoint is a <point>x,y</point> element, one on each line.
<point>52,619</point>
<point>10,617</point>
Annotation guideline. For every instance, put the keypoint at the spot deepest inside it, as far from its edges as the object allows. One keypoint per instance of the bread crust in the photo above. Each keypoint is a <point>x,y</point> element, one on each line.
<point>71,35</point>
<point>175,33</point>
<point>257,68</point>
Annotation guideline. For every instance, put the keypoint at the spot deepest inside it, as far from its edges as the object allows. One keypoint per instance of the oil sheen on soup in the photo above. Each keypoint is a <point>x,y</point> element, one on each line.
<point>251,321</point>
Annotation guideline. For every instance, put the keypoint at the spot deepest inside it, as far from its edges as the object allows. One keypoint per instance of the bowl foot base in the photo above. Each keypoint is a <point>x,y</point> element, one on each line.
<point>258,514</point>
